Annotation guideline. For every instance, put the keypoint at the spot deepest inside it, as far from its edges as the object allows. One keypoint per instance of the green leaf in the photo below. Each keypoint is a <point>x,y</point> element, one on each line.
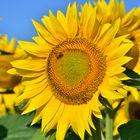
<point>71,136</point>
<point>135,79</point>
<point>105,102</point>
<point>130,131</point>
<point>51,136</point>
<point>132,83</point>
<point>17,127</point>
<point>116,137</point>
<point>130,73</point>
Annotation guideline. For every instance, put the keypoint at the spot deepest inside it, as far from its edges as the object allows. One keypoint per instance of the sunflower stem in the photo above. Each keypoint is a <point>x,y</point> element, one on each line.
<point>109,125</point>
<point>96,134</point>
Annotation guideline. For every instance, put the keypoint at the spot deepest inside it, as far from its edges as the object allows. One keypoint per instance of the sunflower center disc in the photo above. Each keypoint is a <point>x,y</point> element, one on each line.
<point>7,81</point>
<point>75,70</point>
<point>73,67</point>
<point>134,110</point>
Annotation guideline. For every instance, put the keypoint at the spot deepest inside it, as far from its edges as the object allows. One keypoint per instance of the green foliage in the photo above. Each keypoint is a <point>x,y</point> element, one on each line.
<point>135,79</point>
<point>130,73</point>
<point>105,102</point>
<point>130,131</point>
<point>71,136</point>
<point>16,127</point>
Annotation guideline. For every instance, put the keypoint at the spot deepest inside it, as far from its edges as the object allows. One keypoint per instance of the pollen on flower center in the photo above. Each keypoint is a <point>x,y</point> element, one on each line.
<point>75,70</point>
<point>73,67</point>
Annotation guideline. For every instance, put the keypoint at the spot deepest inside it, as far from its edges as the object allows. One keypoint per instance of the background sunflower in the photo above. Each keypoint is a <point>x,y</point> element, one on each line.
<point>130,24</point>
<point>9,84</point>
<point>129,110</point>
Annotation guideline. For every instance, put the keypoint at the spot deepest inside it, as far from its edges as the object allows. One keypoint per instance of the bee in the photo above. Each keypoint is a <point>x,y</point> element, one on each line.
<point>59,55</point>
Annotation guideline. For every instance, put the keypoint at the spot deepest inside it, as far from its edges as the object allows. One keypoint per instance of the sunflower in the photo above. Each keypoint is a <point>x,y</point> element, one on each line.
<point>129,110</point>
<point>9,84</point>
<point>130,24</point>
<point>72,61</point>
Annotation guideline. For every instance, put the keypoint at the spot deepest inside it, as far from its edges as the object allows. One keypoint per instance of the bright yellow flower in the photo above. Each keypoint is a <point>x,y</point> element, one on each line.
<point>73,60</point>
<point>7,100</point>
<point>8,47</point>
<point>8,82</point>
<point>130,24</point>
<point>129,110</point>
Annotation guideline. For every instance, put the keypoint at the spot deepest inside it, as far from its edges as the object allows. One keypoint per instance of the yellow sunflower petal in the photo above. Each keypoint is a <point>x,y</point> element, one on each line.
<point>32,48</point>
<point>25,73</point>
<point>41,42</point>
<point>62,19</point>
<point>115,43</point>
<point>11,45</point>
<point>110,94</point>
<point>38,101</point>
<point>49,112</point>
<point>72,20</point>
<point>63,124</point>
<point>35,65</point>
<point>31,91</point>
<point>30,81</point>
<point>122,60</point>
<point>44,33</point>
<point>110,33</point>
<point>59,33</point>
<point>55,119</point>
<point>38,115</point>
<point>134,92</point>
<point>120,51</point>
<point>128,18</point>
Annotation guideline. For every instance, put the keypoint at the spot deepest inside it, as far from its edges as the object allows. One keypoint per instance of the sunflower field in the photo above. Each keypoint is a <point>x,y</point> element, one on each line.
<point>77,78</point>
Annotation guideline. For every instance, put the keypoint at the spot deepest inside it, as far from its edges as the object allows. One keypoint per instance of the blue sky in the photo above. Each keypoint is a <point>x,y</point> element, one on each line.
<point>17,14</point>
